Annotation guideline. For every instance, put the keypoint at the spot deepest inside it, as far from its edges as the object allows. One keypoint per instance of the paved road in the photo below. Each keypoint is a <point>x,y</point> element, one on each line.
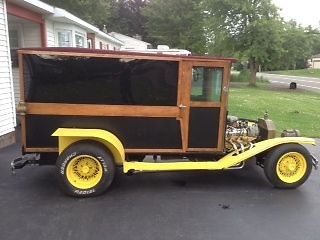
<point>237,204</point>
<point>307,83</point>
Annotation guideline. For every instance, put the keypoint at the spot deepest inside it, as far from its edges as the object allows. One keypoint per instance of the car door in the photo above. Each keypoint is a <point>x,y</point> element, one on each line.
<point>204,105</point>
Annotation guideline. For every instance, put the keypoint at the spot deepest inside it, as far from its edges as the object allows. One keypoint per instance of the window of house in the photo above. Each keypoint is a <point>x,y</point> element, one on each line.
<point>79,37</point>
<point>64,38</point>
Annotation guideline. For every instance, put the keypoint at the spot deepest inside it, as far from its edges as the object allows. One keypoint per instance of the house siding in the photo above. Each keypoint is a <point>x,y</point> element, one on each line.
<point>7,109</point>
<point>316,63</point>
<point>50,33</point>
<point>31,35</point>
<point>105,44</point>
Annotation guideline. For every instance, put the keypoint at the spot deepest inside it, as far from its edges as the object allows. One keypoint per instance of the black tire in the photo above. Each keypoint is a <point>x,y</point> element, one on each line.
<point>288,178</point>
<point>100,171</point>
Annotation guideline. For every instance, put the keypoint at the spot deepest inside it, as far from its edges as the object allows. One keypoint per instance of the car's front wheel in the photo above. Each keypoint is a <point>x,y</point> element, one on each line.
<point>288,166</point>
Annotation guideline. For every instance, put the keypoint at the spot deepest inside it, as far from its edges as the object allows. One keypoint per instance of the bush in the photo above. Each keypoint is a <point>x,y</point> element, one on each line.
<point>244,76</point>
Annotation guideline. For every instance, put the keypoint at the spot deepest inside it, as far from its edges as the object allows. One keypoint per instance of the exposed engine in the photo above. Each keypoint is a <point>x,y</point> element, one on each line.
<point>240,134</point>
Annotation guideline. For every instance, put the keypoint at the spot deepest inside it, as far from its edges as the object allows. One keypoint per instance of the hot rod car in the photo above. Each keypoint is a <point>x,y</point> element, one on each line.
<point>88,111</point>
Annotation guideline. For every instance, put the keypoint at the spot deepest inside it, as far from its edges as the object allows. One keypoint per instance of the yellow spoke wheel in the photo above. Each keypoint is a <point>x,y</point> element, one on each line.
<point>84,171</point>
<point>288,166</point>
<point>291,167</point>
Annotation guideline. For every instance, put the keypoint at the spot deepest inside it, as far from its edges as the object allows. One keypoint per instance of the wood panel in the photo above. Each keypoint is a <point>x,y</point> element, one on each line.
<point>207,150</point>
<point>100,55</point>
<point>40,150</point>
<point>101,110</point>
<point>154,151</point>
<point>224,102</point>
<point>146,151</point>
<point>120,54</point>
<point>184,89</point>
<point>205,104</point>
<point>22,117</point>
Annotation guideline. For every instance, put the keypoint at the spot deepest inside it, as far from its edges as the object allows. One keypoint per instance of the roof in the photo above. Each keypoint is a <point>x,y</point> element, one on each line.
<point>123,37</point>
<point>34,5</point>
<point>121,54</point>
<point>61,15</point>
<point>316,56</point>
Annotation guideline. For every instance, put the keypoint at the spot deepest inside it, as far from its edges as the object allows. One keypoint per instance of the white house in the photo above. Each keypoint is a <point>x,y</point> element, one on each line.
<point>7,107</point>
<point>315,61</point>
<point>130,43</point>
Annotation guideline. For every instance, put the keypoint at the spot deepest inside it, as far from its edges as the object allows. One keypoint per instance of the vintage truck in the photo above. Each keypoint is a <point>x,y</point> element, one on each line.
<point>88,111</point>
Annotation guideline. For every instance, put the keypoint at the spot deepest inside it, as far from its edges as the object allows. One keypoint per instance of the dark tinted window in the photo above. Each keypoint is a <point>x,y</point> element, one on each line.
<point>100,81</point>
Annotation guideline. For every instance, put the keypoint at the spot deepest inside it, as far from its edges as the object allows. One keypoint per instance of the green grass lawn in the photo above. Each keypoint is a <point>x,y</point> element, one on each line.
<point>315,73</point>
<point>288,109</point>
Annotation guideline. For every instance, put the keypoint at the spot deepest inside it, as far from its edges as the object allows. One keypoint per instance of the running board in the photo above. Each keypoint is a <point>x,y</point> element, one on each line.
<point>229,161</point>
<point>171,166</point>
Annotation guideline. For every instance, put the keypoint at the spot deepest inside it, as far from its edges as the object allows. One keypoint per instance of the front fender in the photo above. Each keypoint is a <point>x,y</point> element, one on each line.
<point>233,158</point>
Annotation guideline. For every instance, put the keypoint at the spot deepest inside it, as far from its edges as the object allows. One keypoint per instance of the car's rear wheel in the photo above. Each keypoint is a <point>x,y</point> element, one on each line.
<point>288,166</point>
<point>85,169</point>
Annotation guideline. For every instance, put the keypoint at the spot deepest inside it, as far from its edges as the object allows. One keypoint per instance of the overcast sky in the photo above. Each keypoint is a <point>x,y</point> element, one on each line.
<point>305,12</point>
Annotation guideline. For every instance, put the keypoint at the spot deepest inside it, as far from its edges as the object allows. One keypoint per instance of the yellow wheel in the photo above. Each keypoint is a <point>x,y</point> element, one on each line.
<point>85,169</point>
<point>291,167</point>
<point>288,166</point>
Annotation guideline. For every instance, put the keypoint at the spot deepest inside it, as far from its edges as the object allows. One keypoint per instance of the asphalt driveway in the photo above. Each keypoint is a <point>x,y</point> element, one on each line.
<point>238,204</point>
<point>307,83</point>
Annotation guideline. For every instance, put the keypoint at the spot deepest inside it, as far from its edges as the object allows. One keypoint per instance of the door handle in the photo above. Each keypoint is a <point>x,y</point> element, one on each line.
<point>225,89</point>
<point>181,106</point>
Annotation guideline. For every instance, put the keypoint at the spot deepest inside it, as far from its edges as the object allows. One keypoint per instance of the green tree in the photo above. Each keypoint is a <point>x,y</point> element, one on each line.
<point>314,36</point>
<point>177,23</point>
<point>251,28</point>
<point>297,46</point>
<point>95,12</point>
<point>126,17</point>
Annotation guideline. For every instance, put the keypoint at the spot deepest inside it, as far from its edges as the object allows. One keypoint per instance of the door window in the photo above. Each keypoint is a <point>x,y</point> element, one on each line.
<point>206,84</point>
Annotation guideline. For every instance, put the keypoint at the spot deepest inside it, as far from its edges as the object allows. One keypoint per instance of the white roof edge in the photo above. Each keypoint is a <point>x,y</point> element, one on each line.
<point>111,33</point>
<point>111,38</point>
<point>61,13</point>
<point>44,6</point>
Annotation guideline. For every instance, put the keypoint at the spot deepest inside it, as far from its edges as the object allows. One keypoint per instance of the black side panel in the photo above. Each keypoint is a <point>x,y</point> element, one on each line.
<point>100,81</point>
<point>204,127</point>
<point>133,132</point>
